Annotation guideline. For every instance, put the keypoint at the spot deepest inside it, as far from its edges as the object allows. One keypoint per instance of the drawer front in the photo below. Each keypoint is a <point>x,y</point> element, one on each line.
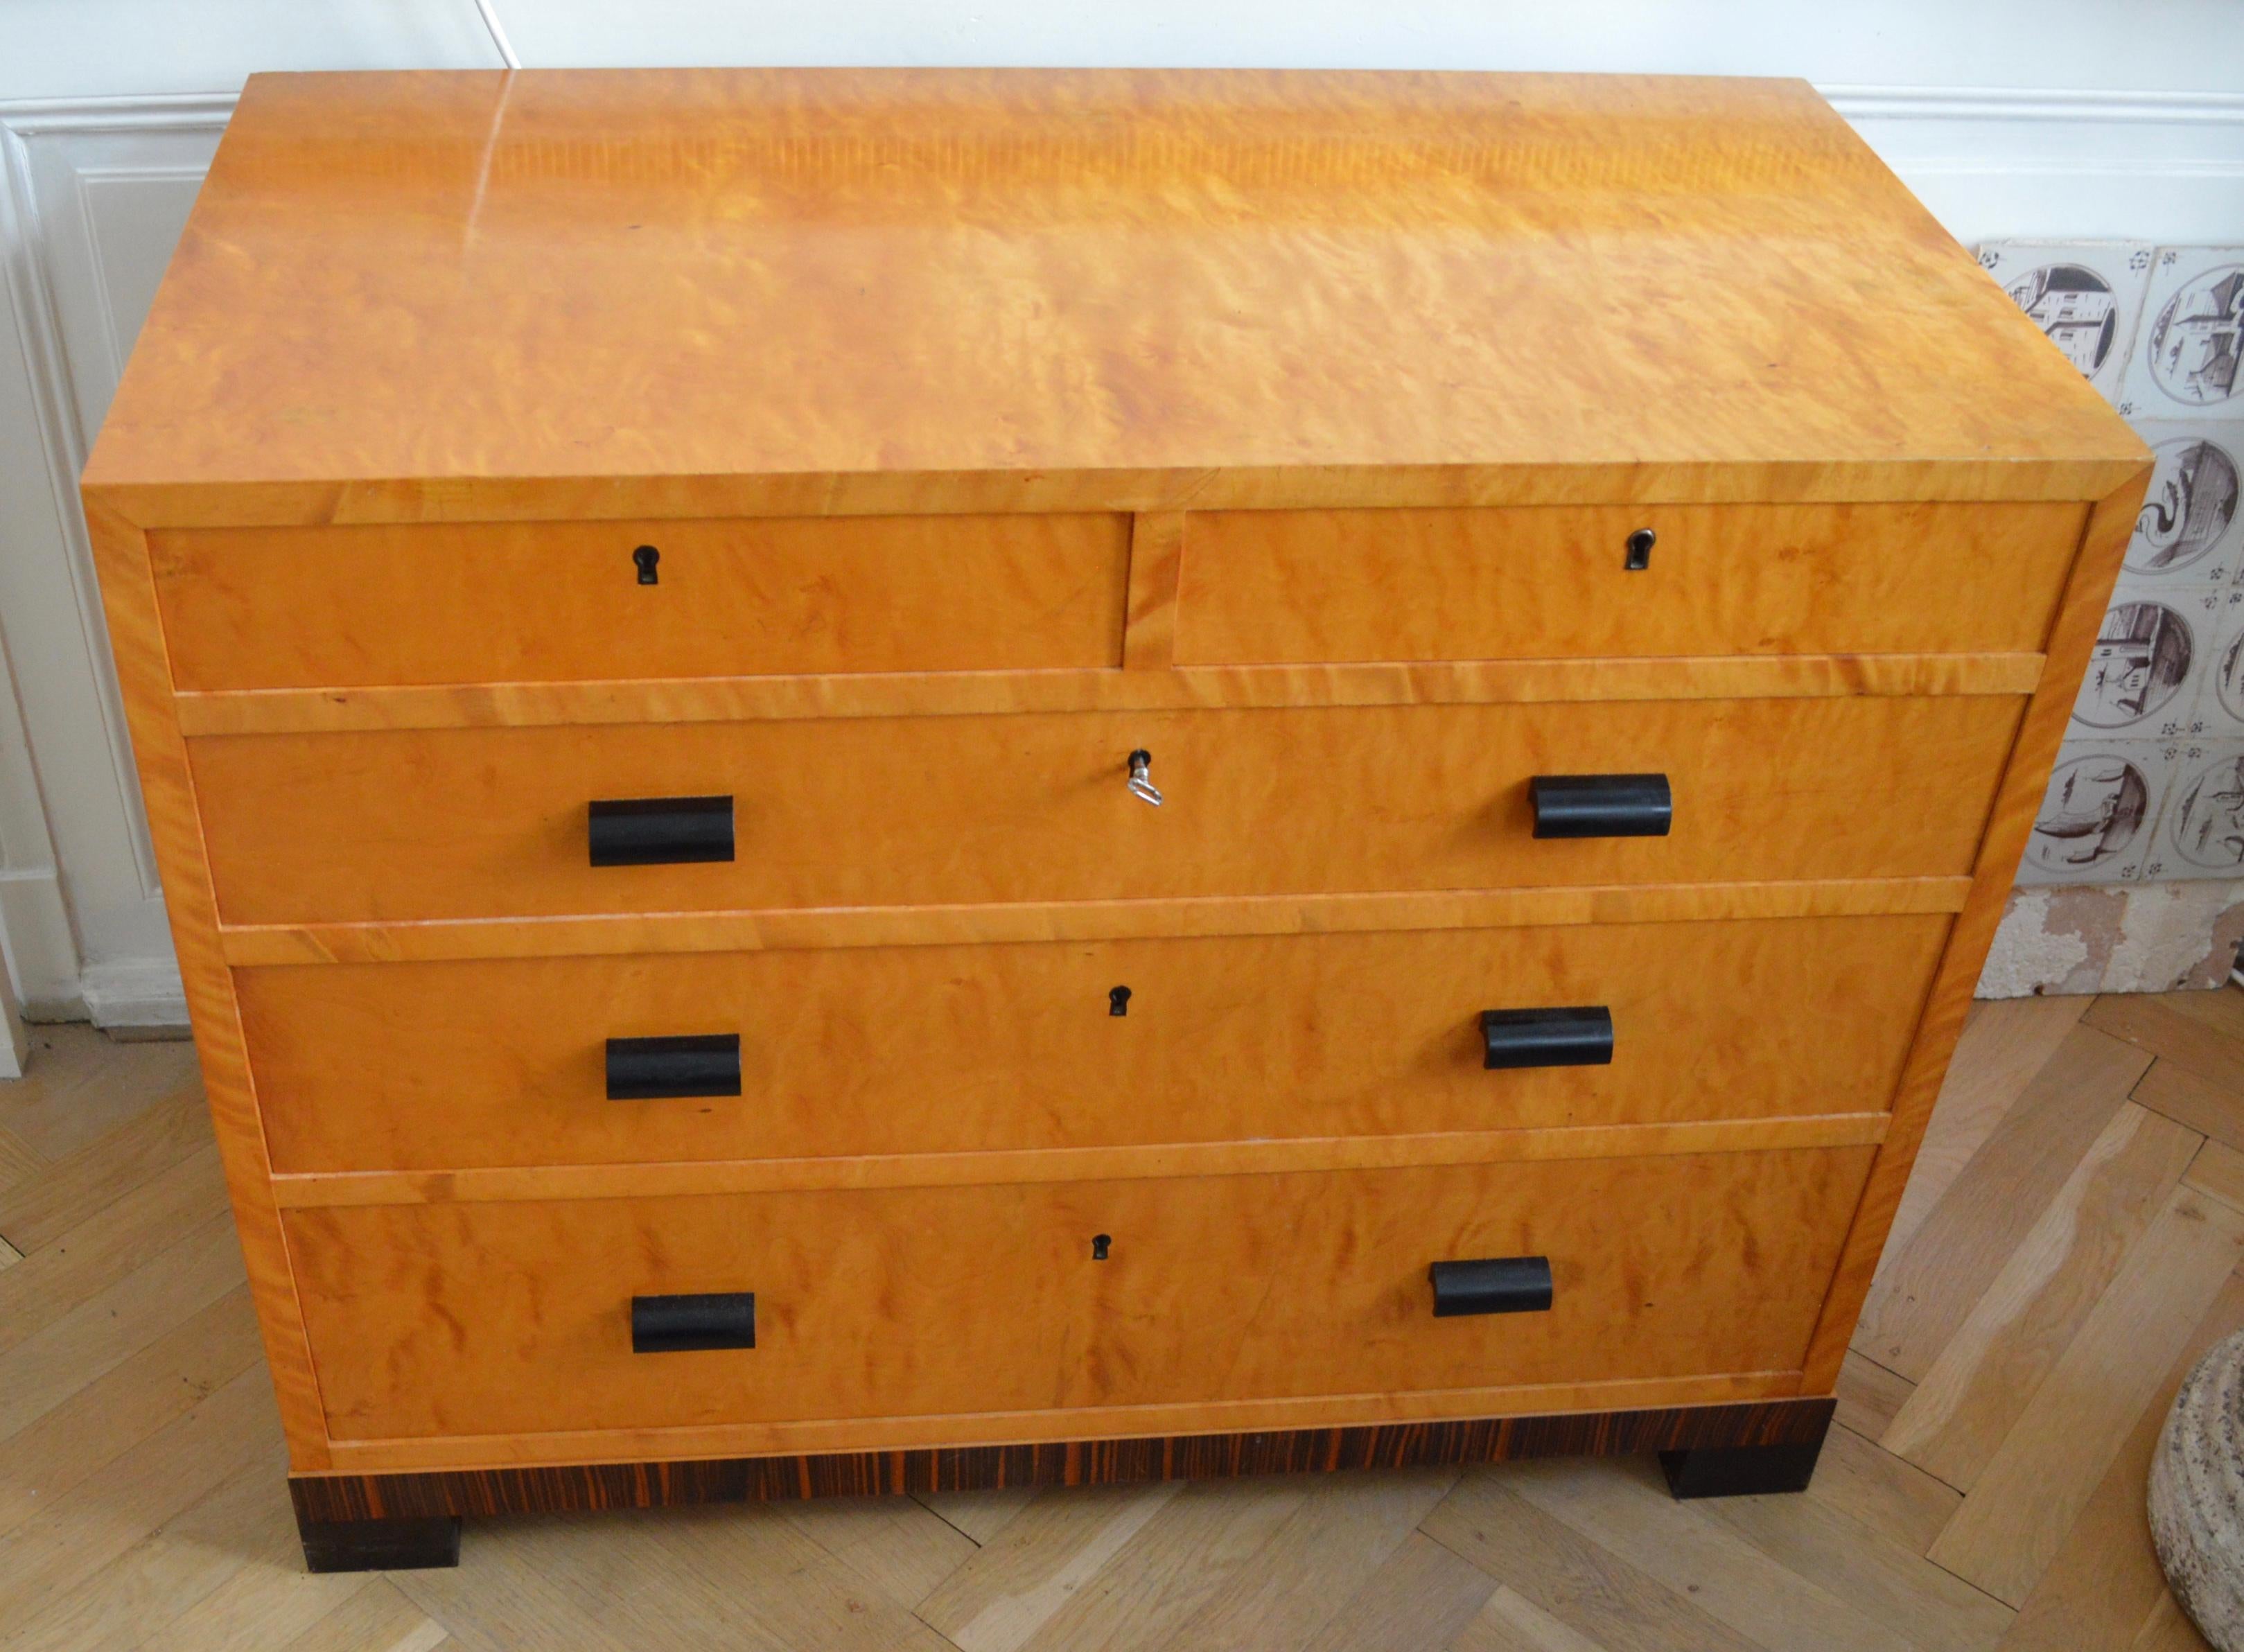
<point>1275,586</point>
<point>563,601</point>
<point>909,811</point>
<point>945,1049</point>
<point>516,1318</point>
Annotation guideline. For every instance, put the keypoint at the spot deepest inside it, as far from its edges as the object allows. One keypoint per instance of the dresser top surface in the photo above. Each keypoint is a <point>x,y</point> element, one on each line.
<point>466,280</point>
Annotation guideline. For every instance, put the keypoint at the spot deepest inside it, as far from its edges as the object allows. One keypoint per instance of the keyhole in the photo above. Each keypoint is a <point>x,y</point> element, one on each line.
<point>1098,1243</point>
<point>1118,1000</point>
<point>645,557</point>
<point>1639,549</point>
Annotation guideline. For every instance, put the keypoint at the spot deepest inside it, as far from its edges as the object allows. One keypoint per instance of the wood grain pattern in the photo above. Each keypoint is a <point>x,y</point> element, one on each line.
<point>1278,586</point>
<point>175,822</point>
<point>282,944</point>
<point>511,1318</point>
<point>1086,1463</point>
<point>984,693</point>
<point>2095,566</point>
<point>491,823</point>
<point>986,1166</point>
<point>1066,283</point>
<point>850,1051</point>
<point>551,602</point>
<point>1149,637</point>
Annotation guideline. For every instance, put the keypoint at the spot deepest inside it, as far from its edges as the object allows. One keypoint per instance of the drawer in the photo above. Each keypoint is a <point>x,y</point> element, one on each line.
<point>516,1318</point>
<point>445,822</point>
<point>562,602</point>
<point>954,1049</point>
<point>1270,586</point>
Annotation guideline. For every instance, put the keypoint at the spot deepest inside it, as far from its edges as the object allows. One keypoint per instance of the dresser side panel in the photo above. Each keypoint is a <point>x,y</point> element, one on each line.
<point>2096,566</point>
<point>175,822</point>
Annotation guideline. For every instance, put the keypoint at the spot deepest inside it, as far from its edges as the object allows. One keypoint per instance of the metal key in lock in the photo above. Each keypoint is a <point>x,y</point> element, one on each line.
<point>1141,777</point>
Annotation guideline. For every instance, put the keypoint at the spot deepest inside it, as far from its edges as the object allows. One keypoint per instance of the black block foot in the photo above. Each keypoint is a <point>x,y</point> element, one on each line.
<point>379,1546</point>
<point>1740,1471</point>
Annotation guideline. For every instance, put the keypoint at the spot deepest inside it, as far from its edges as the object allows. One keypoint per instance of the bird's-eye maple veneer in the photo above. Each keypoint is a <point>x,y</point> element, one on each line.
<point>874,781</point>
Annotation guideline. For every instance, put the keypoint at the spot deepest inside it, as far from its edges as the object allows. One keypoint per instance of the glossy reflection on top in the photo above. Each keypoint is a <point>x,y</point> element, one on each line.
<point>684,273</point>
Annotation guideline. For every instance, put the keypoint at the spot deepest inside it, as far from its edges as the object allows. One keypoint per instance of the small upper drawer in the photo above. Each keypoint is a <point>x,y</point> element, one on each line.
<point>566,601</point>
<point>1266,586</point>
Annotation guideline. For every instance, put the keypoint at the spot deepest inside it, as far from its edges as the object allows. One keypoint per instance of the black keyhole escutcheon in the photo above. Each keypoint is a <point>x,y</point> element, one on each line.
<point>1639,549</point>
<point>1118,1000</point>
<point>1098,1243</point>
<point>645,559</point>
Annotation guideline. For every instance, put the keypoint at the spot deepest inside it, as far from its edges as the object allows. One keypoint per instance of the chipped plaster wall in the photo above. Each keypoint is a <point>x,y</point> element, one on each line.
<point>2150,937</point>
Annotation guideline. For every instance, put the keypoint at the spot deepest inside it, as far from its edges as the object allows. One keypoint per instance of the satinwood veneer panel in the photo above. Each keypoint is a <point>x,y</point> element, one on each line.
<point>791,292</point>
<point>956,1048</point>
<point>516,1318</point>
<point>564,601</point>
<point>458,823</point>
<point>1259,586</point>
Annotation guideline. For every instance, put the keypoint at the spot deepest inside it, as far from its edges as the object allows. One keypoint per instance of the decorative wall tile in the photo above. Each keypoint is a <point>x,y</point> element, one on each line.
<point>2145,670</point>
<point>2201,833</point>
<point>2219,712</point>
<point>2099,820</point>
<point>2189,528</point>
<point>2087,296</point>
<point>2189,351</point>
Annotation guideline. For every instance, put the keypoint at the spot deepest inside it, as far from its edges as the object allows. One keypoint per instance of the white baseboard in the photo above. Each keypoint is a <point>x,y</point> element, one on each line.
<point>143,992</point>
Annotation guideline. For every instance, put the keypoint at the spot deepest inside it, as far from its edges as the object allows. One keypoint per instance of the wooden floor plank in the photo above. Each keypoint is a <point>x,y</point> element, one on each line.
<point>1869,1395</point>
<point>82,1084</point>
<point>2212,1109</point>
<point>1989,1370</point>
<point>112,1414</point>
<point>36,1212</point>
<point>109,1327</point>
<point>1421,1596</point>
<point>377,1618</point>
<point>1509,1621</point>
<point>980,1515</point>
<point>268,1602</point>
<point>1001,1596</point>
<point>902,1548</point>
<point>1575,1579</point>
<point>2005,1045</point>
<point>1893,1498</point>
<point>1926,1288</point>
<point>2015,1518</point>
<point>1344,1531</point>
<point>2103,1580</point>
<point>108,1243</point>
<point>2204,1039</point>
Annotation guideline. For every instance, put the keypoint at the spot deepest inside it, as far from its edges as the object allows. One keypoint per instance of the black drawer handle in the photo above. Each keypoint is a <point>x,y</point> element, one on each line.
<point>1601,805</point>
<point>655,832</point>
<point>1578,1035</point>
<point>645,1069</point>
<point>1492,1285</point>
<point>680,1325</point>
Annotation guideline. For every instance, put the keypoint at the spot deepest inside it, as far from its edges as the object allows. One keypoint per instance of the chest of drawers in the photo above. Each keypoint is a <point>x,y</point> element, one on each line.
<point>884,781</point>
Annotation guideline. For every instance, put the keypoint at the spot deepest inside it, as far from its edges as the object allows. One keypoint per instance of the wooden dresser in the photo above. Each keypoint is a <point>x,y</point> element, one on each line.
<point>884,781</point>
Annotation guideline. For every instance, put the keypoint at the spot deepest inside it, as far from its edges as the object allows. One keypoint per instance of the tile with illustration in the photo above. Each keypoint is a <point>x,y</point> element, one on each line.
<point>2200,833</point>
<point>2097,820</point>
<point>2144,668</point>
<point>2086,296</point>
<point>2188,350</point>
<point>2188,530</point>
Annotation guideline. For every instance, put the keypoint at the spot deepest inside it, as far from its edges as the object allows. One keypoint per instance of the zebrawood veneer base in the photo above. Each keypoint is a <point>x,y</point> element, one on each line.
<point>402,1514</point>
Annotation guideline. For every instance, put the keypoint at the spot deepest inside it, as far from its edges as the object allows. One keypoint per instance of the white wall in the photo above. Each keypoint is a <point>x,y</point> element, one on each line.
<point>2051,117</point>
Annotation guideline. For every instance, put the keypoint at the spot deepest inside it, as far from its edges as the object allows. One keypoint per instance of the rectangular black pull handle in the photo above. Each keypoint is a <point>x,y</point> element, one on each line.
<point>1576,1036</point>
<point>1492,1285</point>
<point>643,1069</point>
<point>654,831</point>
<point>680,1325</point>
<point>1601,805</point>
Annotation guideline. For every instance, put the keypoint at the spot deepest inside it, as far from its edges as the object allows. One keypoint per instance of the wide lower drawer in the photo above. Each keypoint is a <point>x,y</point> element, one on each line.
<point>563,601</point>
<point>517,1317</point>
<point>952,1049</point>
<point>1561,582</point>
<point>453,823</point>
